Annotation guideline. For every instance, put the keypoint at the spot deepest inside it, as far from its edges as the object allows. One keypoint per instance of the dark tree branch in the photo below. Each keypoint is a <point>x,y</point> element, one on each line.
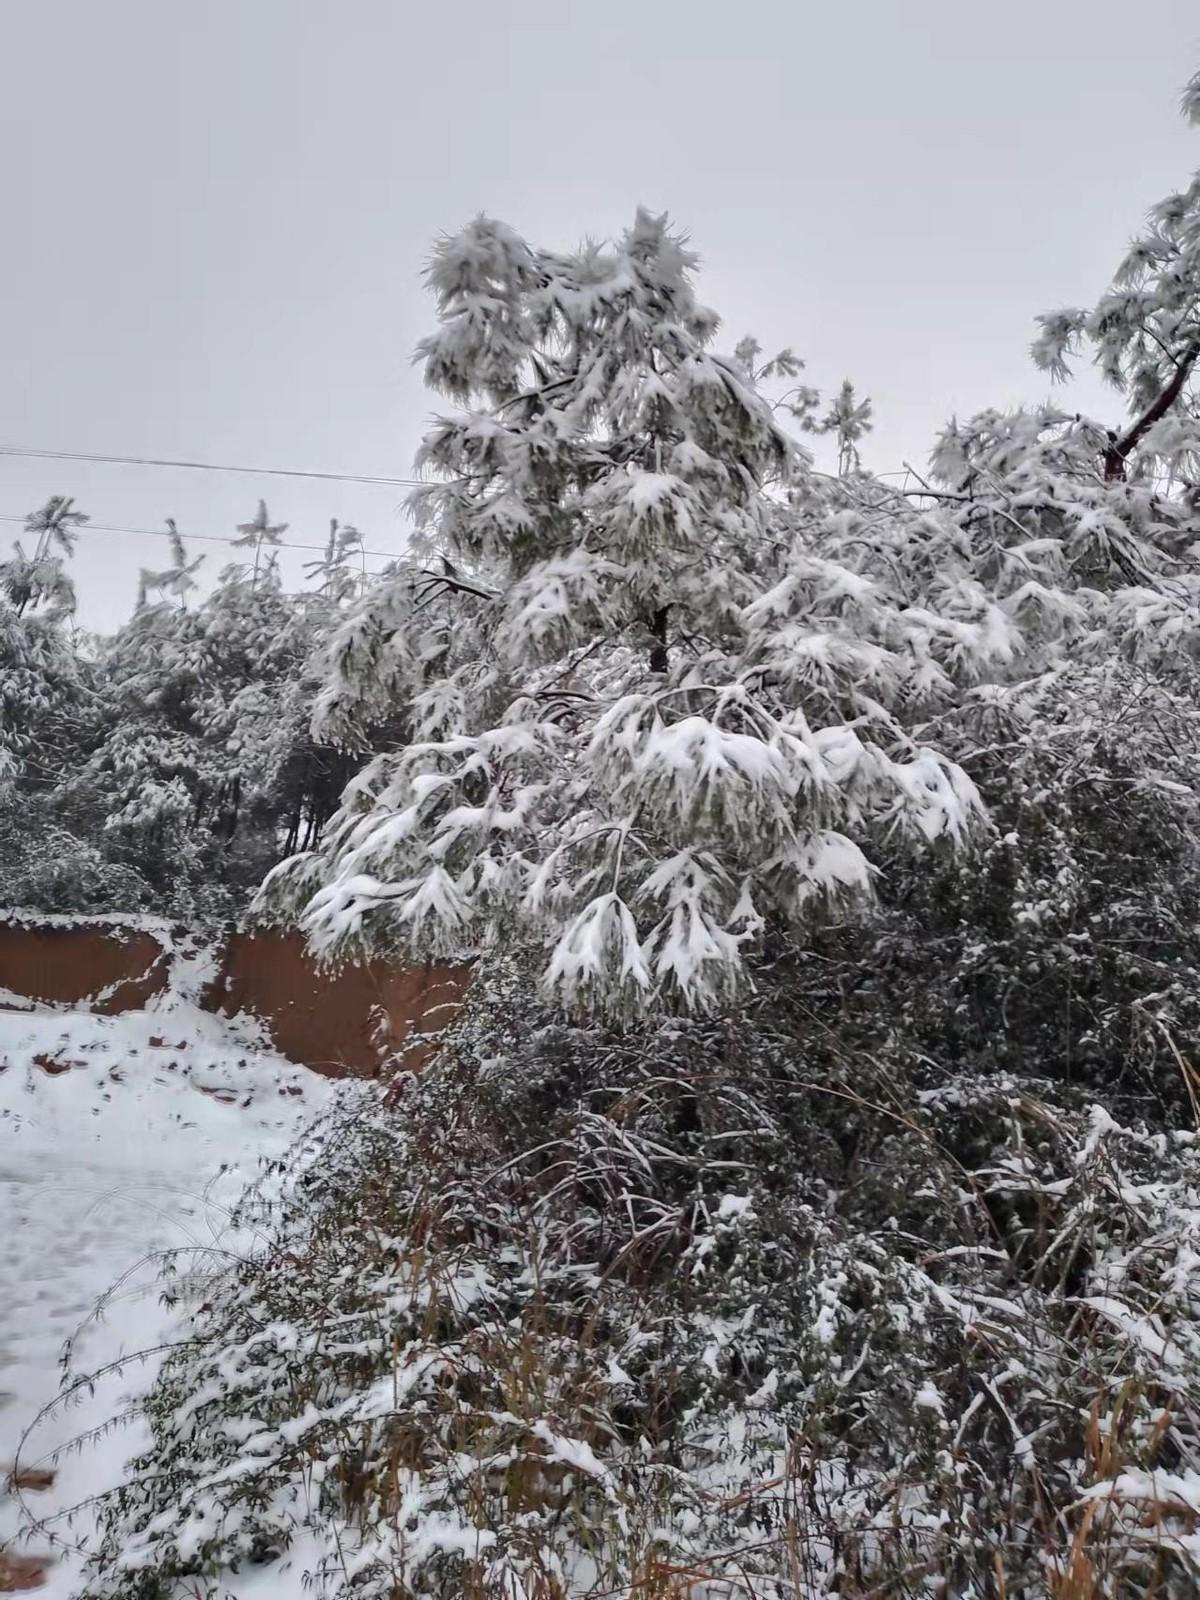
<point>1120,447</point>
<point>660,659</point>
<point>450,580</point>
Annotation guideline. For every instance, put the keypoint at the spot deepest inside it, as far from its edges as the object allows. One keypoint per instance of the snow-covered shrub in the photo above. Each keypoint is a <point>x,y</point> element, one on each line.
<point>1068,943</point>
<point>50,868</point>
<point>577,1314</point>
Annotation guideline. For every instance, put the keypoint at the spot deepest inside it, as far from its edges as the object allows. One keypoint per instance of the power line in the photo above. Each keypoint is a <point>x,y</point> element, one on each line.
<point>188,538</point>
<point>261,472</point>
<point>208,466</point>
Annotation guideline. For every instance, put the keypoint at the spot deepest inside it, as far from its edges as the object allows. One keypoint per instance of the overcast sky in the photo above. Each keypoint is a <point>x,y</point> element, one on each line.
<point>217,212</point>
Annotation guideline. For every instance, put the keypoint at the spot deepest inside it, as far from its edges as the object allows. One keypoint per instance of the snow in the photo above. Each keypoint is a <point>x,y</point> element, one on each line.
<point>1144,1331</point>
<point>575,1453</point>
<point>1151,1488</point>
<point>120,1138</point>
<point>929,1399</point>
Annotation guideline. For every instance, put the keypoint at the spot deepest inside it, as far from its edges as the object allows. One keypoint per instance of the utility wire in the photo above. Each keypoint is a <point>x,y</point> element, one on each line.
<point>206,538</point>
<point>267,472</point>
<point>208,466</point>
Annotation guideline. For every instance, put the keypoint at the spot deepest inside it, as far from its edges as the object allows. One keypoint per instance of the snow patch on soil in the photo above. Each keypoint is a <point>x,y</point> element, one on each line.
<point>120,1138</point>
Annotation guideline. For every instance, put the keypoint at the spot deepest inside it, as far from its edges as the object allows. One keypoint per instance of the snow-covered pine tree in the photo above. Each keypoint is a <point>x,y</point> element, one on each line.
<point>638,730</point>
<point>848,420</point>
<point>40,579</point>
<point>340,573</point>
<point>176,581</point>
<point>261,534</point>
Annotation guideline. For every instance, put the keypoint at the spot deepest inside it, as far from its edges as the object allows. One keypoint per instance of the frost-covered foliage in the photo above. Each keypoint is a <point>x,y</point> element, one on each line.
<point>45,680</point>
<point>713,1311</point>
<point>647,723</point>
<point>169,766</point>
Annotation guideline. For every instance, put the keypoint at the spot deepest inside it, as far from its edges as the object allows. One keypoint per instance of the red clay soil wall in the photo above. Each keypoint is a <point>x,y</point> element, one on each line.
<point>342,1021</point>
<point>112,969</point>
<point>339,1021</point>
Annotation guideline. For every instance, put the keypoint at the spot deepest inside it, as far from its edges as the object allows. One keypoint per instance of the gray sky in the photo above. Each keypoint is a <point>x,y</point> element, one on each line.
<point>217,212</point>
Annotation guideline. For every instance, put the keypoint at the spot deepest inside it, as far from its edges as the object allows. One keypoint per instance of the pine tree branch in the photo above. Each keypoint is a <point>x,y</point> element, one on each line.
<point>527,395</point>
<point>1121,447</point>
<point>445,580</point>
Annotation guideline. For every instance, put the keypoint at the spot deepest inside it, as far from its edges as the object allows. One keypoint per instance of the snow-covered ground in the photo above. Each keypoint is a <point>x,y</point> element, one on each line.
<point>120,1138</point>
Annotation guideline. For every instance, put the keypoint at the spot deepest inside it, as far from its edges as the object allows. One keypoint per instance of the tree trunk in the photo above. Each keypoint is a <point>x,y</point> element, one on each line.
<point>660,658</point>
